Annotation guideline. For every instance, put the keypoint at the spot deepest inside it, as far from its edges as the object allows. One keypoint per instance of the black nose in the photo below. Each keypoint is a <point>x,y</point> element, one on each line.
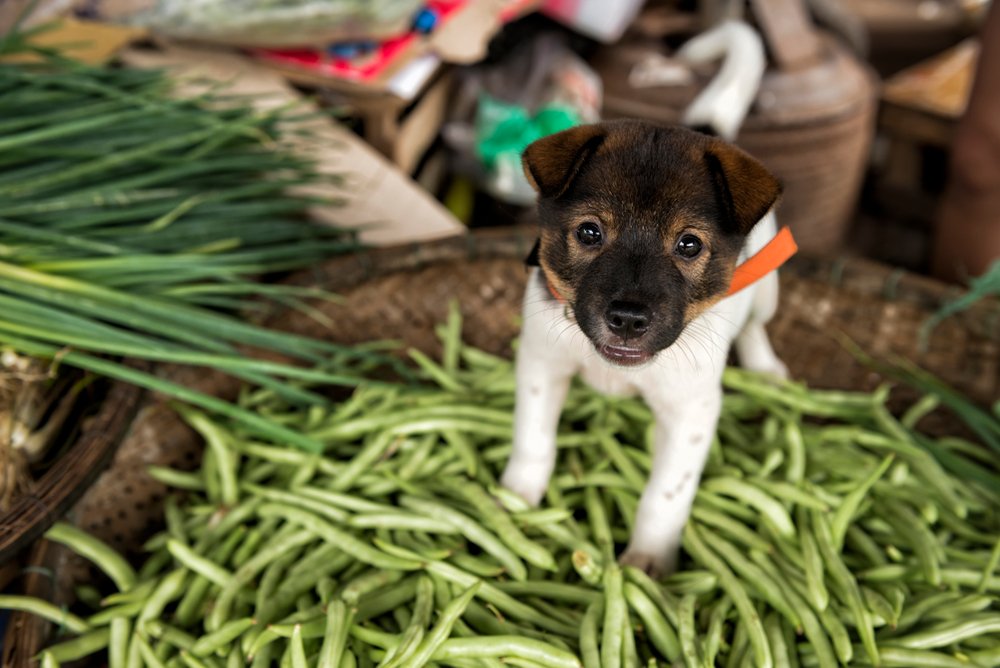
<point>628,319</point>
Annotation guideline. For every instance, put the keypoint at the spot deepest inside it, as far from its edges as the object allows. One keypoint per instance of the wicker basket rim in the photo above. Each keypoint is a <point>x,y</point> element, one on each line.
<point>863,277</point>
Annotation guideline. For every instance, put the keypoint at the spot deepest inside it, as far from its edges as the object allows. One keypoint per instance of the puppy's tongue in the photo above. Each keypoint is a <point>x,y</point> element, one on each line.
<point>624,356</point>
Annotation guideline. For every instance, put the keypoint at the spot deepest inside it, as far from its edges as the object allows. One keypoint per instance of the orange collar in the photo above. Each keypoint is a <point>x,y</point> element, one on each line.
<point>774,254</point>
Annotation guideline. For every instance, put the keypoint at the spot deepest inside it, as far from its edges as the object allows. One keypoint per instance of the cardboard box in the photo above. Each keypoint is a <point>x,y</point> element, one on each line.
<point>376,197</point>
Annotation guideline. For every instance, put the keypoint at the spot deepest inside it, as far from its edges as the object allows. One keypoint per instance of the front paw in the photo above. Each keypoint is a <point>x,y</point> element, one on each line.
<point>526,481</point>
<point>768,365</point>
<point>656,566</point>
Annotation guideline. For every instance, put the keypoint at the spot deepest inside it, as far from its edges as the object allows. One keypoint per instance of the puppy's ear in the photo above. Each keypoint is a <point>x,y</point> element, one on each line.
<point>745,189</point>
<point>552,162</point>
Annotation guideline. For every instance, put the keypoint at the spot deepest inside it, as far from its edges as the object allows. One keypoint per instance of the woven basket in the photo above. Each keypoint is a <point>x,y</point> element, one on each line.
<point>402,293</point>
<point>812,123</point>
<point>99,418</point>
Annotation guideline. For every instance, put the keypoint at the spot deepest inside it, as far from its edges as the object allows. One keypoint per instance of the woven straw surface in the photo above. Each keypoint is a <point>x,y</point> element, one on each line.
<point>89,450</point>
<point>402,293</point>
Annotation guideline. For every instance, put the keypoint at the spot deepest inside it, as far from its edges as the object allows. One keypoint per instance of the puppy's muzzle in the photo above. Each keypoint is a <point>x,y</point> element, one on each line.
<point>628,320</point>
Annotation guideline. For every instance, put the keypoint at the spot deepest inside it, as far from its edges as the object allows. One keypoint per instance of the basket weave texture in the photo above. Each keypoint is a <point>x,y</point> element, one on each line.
<point>403,293</point>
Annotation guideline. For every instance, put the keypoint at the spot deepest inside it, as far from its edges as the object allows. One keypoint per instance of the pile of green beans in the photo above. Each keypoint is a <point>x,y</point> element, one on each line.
<point>821,535</point>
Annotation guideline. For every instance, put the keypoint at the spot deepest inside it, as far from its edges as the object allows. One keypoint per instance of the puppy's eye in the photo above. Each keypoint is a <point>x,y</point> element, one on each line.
<point>688,247</point>
<point>589,234</point>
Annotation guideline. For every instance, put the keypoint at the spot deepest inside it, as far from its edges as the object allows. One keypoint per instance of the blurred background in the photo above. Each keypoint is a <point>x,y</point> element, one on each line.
<point>858,110</point>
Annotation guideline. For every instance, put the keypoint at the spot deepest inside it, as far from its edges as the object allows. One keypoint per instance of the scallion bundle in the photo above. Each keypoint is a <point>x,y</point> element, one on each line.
<point>136,225</point>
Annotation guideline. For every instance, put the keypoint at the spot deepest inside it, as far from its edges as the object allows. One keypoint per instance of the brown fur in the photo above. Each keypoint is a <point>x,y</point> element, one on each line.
<point>646,186</point>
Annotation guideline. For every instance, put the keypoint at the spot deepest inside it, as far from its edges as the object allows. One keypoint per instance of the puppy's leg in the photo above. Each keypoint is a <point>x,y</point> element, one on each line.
<point>682,438</point>
<point>541,391</point>
<point>752,344</point>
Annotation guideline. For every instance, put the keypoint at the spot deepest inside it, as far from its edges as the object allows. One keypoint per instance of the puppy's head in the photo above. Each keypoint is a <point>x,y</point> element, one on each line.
<point>641,227</point>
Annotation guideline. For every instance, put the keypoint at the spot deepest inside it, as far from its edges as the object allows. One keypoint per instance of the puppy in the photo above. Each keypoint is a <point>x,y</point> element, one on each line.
<point>642,229</point>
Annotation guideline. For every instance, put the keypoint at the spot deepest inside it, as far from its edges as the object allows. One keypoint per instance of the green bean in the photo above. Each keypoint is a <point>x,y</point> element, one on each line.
<point>109,614</point>
<point>229,631</point>
<point>386,599</point>
<point>664,601</point>
<point>171,634</point>
<point>659,632</point>
<point>435,638</point>
<point>297,649</point>
<point>991,565</point>
<point>713,637</point>
<point>190,605</point>
<point>194,662</point>
<point>795,470</point>
<point>734,529</point>
<point>168,589</point>
<point>224,601</point>
<point>770,509</point>
<point>216,440</point>
<point>838,635</point>
<point>791,493</point>
<point>739,646</point>
<point>465,450</point>
<point>948,633</point>
<point>692,581</point>
<point>413,635</point>
<point>478,566</point>
<point>636,480</point>
<point>118,636</point>
<point>328,532</point>
<point>146,653</point>
<point>199,564</point>
<point>599,523</point>
<point>45,610</point>
<point>920,538</point>
<point>969,578</point>
<point>688,633</point>
<point>300,578</point>
<point>842,578</point>
<point>298,500</point>
<point>248,547</point>
<point>505,528</point>
<point>338,622</point>
<point>80,647</point>
<point>185,480</point>
<point>769,589</point>
<point>818,595</point>
<point>728,506</point>
<point>367,582</point>
<point>615,616</point>
<point>439,375</point>
<point>630,652</point>
<point>502,646</point>
<point>554,590</point>
<point>776,637</point>
<point>758,639</point>
<point>102,556</point>
<point>986,657</point>
<point>589,651</point>
<point>879,606</point>
<point>909,658</point>
<point>810,624</point>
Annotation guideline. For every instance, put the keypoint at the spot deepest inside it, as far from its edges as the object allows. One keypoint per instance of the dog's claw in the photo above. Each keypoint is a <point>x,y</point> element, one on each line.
<point>655,566</point>
<point>523,486</point>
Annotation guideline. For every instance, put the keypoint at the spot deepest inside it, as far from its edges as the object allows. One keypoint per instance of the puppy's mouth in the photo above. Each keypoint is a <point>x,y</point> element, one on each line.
<point>623,355</point>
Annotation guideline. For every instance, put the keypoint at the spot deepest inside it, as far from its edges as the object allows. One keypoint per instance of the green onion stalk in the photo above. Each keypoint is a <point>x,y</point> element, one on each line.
<point>139,225</point>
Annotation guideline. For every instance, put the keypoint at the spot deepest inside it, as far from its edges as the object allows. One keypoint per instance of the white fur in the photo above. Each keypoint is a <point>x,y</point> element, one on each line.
<point>682,385</point>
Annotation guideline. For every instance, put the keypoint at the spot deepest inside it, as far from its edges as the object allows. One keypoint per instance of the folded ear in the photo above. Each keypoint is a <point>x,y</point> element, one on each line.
<point>551,163</point>
<point>745,189</point>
